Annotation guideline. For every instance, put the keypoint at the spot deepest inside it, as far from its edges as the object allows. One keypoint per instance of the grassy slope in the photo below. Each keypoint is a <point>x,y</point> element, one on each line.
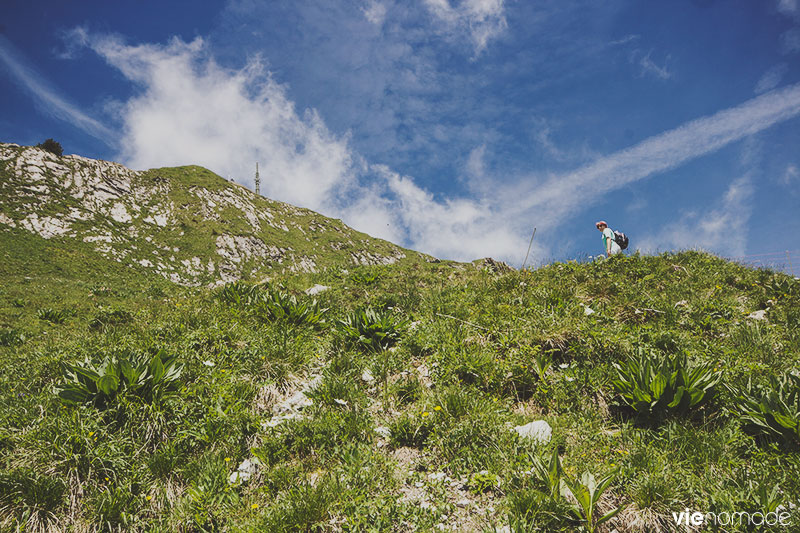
<point>165,465</point>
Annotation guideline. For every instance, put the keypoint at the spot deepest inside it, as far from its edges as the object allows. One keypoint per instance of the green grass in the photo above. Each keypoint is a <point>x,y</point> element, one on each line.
<point>464,355</point>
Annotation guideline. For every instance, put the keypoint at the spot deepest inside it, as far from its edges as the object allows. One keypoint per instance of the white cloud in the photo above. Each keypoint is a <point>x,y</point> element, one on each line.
<point>722,228</point>
<point>481,20</point>
<point>375,12</point>
<point>771,78</point>
<point>462,228</point>
<point>192,111</point>
<point>48,98</point>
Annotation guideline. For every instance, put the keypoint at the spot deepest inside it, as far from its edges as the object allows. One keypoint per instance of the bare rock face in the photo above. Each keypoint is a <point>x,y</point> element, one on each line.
<point>185,224</point>
<point>492,265</point>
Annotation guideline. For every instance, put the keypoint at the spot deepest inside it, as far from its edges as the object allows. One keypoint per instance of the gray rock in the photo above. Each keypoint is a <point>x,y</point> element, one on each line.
<point>538,430</point>
<point>316,289</point>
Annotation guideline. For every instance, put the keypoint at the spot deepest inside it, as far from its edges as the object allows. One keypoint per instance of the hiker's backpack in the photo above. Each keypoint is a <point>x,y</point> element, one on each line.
<point>621,239</point>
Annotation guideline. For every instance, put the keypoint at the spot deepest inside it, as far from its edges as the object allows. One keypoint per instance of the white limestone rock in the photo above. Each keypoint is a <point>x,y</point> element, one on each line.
<point>538,430</point>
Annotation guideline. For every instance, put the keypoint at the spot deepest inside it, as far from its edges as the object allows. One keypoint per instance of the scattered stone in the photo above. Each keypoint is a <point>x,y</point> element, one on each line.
<point>538,430</point>
<point>758,315</point>
<point>316,289</point>
<point>367,376</point>
<point>463,503</point>
<point>438,476</point>
<point>245,471</point>
<point>383,431</point>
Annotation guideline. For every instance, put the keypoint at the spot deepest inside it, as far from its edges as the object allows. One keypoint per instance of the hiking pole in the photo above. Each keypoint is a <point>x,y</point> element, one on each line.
<point>529,250</point>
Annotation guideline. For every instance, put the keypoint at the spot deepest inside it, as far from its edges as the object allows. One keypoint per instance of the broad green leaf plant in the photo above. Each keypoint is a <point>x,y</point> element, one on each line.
<point>657,387</point>
<point>772,410</point>
<point>149,379</point>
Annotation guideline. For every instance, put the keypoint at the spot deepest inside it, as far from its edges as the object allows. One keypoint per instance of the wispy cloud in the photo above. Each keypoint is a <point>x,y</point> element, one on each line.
<point>788,7</point>
<point>721,227</point>
<point>47,97</point>
<point>375,12</point>
<point>191,110</point>
<point>562,194</point>
<point>480,20</point>
<point>771,78</point>
<point>791,175</point>
<point>650,68</point>
<point>790,41</point>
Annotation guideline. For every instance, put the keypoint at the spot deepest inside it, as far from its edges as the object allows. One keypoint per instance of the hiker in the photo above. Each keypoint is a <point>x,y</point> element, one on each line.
<point>609,241</point>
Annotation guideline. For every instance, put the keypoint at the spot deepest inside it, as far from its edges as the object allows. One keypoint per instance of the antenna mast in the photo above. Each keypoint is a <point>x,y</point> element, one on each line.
<point>258,181</point>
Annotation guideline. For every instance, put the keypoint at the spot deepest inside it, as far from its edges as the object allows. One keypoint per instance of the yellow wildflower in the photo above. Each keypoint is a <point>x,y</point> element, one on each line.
<point>425,413</point>
<point>254,506</point>
<point>437,408</point>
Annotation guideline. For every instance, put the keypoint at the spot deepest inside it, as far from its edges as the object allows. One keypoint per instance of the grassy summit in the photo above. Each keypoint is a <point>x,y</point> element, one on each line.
<point>388,402</point>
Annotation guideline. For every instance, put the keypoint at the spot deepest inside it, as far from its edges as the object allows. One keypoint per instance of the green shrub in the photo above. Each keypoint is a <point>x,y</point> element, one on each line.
<point>147,378</point>
<point>657,386</point>
<point>372,329</point>
<point>51,146</point>
<point>587,491</point>
<point>551,499</point>
<point>772,411</point>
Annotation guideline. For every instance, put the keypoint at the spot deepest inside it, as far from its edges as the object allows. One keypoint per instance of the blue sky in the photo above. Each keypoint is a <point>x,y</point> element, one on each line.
<point>452,127</point>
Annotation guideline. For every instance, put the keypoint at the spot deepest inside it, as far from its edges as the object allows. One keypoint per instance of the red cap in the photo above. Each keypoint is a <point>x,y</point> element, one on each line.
<point>601,223</point>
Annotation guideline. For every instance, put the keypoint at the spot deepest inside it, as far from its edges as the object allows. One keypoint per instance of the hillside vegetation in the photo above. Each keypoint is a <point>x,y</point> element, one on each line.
<point>389,400</point>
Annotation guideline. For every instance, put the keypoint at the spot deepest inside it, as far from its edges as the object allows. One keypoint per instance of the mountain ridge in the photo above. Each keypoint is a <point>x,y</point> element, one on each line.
<point>185,223</point>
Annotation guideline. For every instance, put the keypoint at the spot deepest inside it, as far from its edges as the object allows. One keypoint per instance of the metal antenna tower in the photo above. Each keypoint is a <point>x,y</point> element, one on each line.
<point>258,181</point>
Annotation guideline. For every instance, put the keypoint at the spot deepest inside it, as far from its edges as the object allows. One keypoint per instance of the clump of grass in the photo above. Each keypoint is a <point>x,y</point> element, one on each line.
<point>11,337</point>
<point>108,318</point>
<point>30,500</point>
<point>238,293</point>
<point>52,315</point>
